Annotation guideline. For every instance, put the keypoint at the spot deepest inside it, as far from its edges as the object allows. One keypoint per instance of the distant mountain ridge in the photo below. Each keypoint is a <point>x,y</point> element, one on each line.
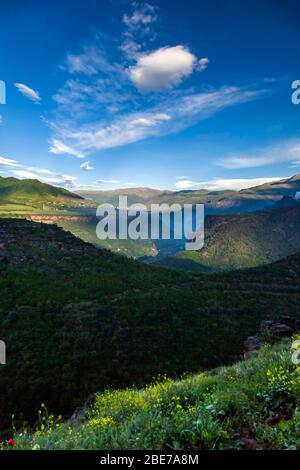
<point>227,201</point>
<point>134,195</point>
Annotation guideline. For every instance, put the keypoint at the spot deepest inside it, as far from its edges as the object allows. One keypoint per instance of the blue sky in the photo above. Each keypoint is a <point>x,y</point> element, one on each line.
<point>166,94</point>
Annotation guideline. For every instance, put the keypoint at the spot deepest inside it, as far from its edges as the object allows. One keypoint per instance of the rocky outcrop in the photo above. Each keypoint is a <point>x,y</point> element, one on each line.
<point>252,343</point>
<point>285,326</point>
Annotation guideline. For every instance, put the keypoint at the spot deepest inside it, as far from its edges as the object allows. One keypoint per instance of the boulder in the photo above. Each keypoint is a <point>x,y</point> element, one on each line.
<point>286,326</point>
<point>251,345</point>
<point>279,330</point>
<point>78,417</point>
<point>287,320</point>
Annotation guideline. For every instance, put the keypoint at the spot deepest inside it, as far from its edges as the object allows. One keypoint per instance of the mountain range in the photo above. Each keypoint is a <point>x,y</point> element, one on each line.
<point>227,201</point>
<point>242,229</point>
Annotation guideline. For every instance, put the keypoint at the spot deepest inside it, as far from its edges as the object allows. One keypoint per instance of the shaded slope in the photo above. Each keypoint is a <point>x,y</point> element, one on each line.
<point>77,319</point>
<point>245,240</point>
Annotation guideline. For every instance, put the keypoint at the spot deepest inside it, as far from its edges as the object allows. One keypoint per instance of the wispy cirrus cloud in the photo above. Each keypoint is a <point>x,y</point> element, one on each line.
<point>143,15</point>
<point>168,116</point>
<point>44,175</point>
<point>58,147</point>
<point>8,162</point>
<point>103,104</point>
<point>40,170</point>
<point>28,92</point>
<point>282,151</point>
<point>108,182</point>
<point>56,179</point>
<point>91,61</point>
<point>138,26</point>
<point>219,184</point>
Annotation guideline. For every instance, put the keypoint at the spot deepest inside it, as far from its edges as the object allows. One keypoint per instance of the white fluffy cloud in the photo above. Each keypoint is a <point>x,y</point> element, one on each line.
<point>86,166</point>
<point>40,170</point>
<point>150,121</point>
<point>163,68</point>
<point>31,94</point>
<point>219,184</point>
<point>57,147</point>
<point>203,63</point>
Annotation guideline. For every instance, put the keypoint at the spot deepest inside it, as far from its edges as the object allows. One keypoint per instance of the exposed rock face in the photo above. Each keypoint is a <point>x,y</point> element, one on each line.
<point>78,417</point>
<point>285,326</point>
<point>252,343</point>
<point>279,330</point>
<point>251,346</point>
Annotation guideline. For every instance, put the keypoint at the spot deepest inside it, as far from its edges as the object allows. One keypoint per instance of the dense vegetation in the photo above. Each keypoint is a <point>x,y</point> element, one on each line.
<point>243,241</point>
<point>77,319</point>
<point>85,228</point>
<point>253,404</point>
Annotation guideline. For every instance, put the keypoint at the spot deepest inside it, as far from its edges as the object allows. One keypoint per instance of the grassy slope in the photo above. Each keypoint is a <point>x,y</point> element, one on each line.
<point>254,404</point>
<point>242,241</point>
<point>95,319</point>
<point>32,195</point>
